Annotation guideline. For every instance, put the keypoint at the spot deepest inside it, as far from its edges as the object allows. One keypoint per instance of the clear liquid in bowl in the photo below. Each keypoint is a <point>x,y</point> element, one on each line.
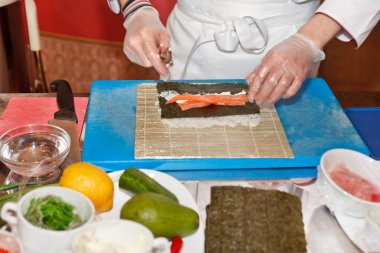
<point>33,154</point>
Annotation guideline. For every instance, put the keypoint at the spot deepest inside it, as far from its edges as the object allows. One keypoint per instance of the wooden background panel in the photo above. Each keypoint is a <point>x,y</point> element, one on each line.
<point>350,69</point>
<point>81,62</point>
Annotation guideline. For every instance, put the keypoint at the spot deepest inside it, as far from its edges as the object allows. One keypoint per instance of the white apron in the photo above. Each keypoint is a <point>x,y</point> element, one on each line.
<point>221,39</point>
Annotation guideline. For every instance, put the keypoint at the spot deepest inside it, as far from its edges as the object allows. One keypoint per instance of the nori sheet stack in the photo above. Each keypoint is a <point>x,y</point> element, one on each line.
<point>249,220</point>
<point>174,111</point>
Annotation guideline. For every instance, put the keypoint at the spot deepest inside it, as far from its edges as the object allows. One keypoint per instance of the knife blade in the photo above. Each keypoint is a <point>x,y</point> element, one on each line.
<point>166,56</point>
<point>66,118</point>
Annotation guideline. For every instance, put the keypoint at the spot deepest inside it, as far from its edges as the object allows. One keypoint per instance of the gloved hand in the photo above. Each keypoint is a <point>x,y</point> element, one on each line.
<point>145,38</point>
<point>283,69</point>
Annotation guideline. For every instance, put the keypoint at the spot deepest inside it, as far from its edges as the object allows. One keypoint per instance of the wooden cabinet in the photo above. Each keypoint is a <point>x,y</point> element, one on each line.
<point>350,69</point>
<point>15,58</point>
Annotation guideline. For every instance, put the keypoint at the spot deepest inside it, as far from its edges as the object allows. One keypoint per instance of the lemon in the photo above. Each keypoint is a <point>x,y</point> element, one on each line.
<point>92,181</point>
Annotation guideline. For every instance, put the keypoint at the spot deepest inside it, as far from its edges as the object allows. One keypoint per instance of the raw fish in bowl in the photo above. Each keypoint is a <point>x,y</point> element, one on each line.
<point>349,182</point>
<point>354,184</point>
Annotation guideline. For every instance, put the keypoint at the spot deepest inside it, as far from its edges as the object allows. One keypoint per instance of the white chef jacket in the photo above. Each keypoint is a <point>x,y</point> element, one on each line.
<point>222,39</point>
<point>357,17</point>
<point>199,31</point>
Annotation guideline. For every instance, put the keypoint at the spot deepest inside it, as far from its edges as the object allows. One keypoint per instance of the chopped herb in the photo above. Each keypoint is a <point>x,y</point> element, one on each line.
<point>53,213</point>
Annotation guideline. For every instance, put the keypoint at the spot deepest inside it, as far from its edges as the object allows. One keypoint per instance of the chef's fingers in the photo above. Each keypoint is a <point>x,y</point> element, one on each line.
<point>251,89</point>
<point>256,79</point>
<point>129,51</point>
<point>269,84</point>
<point>134,51</point>
<point>152,48</point>
<point>142,55</point>
<point>283,85</point>
<point>131,56</point>
<point>152,53</point>
<point>294,87</point>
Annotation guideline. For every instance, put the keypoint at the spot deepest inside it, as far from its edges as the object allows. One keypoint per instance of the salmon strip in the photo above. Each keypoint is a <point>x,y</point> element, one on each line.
<point>230,100</point>
<point>188,97</point>
<point>192,104</point>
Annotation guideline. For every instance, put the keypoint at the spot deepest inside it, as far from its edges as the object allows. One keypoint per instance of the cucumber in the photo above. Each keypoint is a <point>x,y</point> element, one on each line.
<point>135,181</point>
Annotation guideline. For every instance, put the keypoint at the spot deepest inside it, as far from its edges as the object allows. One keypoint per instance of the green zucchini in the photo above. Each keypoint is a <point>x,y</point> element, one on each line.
<point>135,181</point>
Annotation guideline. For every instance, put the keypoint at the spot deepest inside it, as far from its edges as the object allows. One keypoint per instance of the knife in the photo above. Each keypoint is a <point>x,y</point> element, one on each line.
<point>166,56</point>
<point>66,118</point>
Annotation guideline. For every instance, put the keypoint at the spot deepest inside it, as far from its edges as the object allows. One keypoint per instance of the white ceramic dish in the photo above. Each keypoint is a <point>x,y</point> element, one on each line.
<point>121,235</point>
<point>339,201</point>
<point>35,238</point>
<point>360,232</point>
<point>9,242</point>
<point>373,224</point>
<point>191,244</point>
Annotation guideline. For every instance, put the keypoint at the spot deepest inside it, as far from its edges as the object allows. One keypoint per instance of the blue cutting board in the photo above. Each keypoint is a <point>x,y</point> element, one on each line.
<point>313,121</point>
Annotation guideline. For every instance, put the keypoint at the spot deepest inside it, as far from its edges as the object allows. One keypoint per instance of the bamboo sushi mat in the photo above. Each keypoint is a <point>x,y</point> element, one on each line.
<point>154,139</point>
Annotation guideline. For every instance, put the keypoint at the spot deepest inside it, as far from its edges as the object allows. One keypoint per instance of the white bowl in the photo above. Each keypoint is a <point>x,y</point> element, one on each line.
<point>337,199</point>
<point>118,236</point>
<point>38,239</point>
<point>9,242</point>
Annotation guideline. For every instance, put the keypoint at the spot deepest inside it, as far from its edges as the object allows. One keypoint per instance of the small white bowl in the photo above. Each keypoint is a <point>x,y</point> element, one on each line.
<point>9,242</point>
<point>118,236</point>
<point>38,239</point>
<point>337,199</point>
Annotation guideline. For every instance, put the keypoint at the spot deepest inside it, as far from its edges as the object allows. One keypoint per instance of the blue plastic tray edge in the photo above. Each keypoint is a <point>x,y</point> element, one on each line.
<point>353,110</point>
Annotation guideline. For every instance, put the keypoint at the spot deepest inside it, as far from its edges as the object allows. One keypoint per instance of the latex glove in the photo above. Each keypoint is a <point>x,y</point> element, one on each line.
<point>145,38</point>
<point>283,70</point>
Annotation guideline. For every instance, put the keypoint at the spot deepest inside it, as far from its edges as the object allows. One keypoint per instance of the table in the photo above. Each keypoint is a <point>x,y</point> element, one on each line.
<point>201,189</point>
<point>346,99</point>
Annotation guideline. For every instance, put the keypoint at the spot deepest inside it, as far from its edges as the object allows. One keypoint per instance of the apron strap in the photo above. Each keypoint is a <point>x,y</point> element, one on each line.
<point>246,29</point>
<point>205,37</point>
<point>237,31</point>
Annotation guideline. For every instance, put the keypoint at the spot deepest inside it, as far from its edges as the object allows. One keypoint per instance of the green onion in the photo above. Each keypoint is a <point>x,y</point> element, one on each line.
<point>12,186</point>
<point>53,213</point>
<point>14,197</point>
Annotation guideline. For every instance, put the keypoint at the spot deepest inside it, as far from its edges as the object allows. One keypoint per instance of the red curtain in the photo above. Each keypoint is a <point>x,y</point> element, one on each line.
<point>88,18</point>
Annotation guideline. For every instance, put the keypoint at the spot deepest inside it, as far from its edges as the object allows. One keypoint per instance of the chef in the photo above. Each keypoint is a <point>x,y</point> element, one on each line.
<point>275,44</point>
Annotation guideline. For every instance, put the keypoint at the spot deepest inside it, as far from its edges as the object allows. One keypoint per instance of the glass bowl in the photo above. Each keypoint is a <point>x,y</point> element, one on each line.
<point>34,152</point>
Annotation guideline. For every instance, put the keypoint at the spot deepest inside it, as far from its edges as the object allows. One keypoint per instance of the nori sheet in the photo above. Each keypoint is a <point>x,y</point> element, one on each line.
<point>251,220</point>
<point>201,89</point>
<point>174,111</point>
